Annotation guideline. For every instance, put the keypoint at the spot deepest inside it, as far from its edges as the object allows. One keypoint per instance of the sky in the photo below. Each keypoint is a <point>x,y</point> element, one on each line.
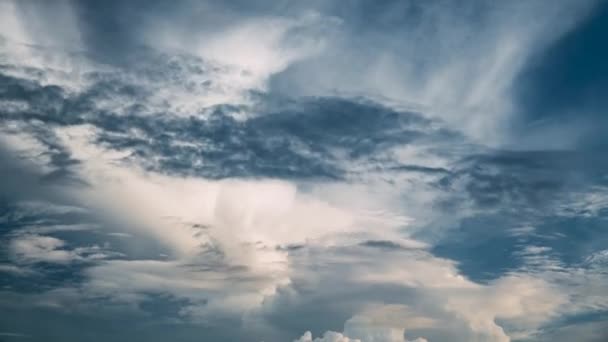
<point>303,171</point>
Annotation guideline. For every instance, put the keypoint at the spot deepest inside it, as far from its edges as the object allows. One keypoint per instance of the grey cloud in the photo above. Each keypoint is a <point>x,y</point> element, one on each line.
<point>382,244</point>
<point>288,138</point>
<point>525,179</point>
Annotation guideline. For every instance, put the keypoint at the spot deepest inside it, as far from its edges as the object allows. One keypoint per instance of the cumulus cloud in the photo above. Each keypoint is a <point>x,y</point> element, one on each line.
<point>328,336</point>
<point>363,333</point>
<point>437,303</point>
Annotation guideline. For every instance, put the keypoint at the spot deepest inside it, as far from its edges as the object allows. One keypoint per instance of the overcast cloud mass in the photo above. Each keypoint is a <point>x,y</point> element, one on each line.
<point>303,171</point>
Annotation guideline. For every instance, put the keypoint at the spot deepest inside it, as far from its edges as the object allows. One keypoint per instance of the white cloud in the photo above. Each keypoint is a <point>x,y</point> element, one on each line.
<point>28,248</point>
<point>259,45</point>
<point>51,228</point>
<point>42,36</point>
<point>598,259</point>
<point>236,58</point>
<point>270,212</point>
<point>41,248</point>
<point>212,288</point>
<point>328,336</point>
<point>247,220</point>
<point>44,208</point>
<point>428,296</point>
<point>33,24</point>
<point>586,203</point>
<point>119,234</point>
<point>264,46</point>
<point>373,328</point>
<point>362,333</point>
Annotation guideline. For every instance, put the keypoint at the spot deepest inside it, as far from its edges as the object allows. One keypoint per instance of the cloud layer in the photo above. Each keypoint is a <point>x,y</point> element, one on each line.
<point>292,172</point>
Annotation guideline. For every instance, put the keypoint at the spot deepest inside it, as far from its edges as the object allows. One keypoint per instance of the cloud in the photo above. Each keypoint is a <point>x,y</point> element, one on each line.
<point>316,49</point>
<point>255,192</point>
<point>276,218</point>
<point>26,248</point>
<point>260,46</point>
<point>38,23</point>
<point>12,269</point>
<point>385,323</point>
<point>14,334</point>
<point>437,303</point>
<point>33,248</point>
<point>362,330</point>
<point>241,224</point>
<point>41,248</point>
<point>458,62</point>
<point>329,336</point>
<point>210,286</point>
<point>222,232</point>
<point>594,331</point>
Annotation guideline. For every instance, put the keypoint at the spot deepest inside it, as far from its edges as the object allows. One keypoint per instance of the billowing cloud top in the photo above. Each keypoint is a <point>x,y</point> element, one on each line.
<point>303,171</point>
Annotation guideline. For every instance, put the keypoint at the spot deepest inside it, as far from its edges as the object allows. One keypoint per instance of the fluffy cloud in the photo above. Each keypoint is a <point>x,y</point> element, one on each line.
<point>437,303</point>
<point>367,334</point>
<point>329,336</point>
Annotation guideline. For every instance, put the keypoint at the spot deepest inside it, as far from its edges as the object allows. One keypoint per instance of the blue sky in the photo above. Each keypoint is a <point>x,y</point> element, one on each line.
<point>303,171</point>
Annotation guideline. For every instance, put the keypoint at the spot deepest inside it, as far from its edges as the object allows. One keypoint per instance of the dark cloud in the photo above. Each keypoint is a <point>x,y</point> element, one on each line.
<point>119,323</point>
<point>521,180</point>
<point>534,198</point>
<point>299,142</point>
<point>382,244</point>
<point>287,139</point>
